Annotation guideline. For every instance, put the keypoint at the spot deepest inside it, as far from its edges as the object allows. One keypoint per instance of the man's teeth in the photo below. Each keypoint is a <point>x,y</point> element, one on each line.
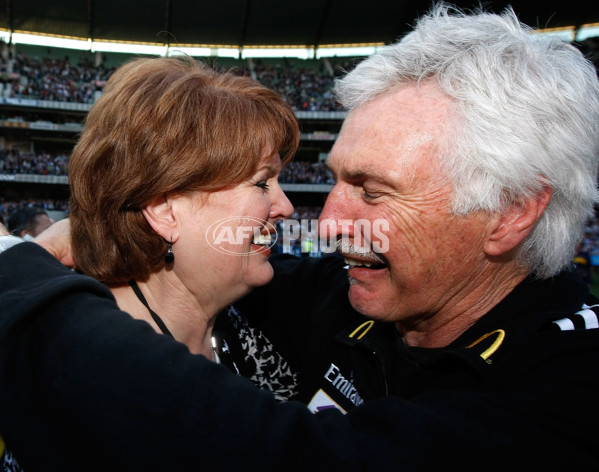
<point>262,239</point>
<point>354,263</point>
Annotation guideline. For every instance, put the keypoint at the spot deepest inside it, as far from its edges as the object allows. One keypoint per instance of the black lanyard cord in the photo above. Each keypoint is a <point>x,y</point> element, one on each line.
<point>155,317</point>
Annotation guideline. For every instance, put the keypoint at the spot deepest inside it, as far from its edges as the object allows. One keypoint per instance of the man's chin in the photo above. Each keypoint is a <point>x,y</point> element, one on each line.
<point>366,303</point>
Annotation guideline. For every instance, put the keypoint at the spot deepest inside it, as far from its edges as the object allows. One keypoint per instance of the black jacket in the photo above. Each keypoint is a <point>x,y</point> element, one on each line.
<point>341,358</point>
<point>86,387</point>
<point>305,311</point>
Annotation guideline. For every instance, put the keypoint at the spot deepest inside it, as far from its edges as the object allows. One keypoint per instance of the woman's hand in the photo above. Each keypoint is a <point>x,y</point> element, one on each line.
<point>56,239</point>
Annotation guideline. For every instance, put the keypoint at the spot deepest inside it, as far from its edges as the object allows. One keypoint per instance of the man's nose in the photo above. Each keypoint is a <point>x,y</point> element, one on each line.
<point>335,216</point>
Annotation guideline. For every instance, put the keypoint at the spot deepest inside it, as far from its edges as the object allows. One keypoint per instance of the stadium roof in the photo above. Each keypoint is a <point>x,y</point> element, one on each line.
<point>257,22</point>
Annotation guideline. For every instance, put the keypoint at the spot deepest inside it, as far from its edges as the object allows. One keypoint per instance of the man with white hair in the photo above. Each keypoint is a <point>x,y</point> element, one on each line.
<point>475,142</point>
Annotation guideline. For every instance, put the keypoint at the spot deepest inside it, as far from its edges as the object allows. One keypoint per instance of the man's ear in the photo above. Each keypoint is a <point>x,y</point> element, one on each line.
<point>513,225</point>
<point>161,217</point>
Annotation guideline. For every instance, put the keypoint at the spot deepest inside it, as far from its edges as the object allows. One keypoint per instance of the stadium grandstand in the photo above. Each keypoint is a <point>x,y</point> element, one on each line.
<point>55,57</point>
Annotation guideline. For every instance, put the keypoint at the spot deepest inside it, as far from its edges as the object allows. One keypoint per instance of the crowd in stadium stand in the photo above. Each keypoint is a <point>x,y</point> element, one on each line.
<point>304,88</point>
<point>306,173</point>
<point>20,162</point>
<point>51,79</point>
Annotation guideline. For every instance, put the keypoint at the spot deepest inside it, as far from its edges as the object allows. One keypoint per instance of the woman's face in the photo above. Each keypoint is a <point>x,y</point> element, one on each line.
<point>225,236</point>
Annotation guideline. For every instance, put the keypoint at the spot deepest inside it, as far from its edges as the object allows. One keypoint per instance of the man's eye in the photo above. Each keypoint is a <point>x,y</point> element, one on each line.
<point>369,195</point>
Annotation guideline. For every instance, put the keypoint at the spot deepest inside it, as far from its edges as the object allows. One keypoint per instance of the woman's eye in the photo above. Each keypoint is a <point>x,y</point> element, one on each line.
<point>263,185</point>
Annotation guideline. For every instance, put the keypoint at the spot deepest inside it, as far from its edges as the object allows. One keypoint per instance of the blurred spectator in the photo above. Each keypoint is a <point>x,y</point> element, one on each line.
<point>586,259</point>
<point>582,264</point>
<point>7,208</point>
<point>28,222</point>
<point>6,239</point>
<point>306,212</point>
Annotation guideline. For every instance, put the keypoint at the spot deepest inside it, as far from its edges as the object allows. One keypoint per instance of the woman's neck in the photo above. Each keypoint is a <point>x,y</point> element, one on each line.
<point>181,312</point>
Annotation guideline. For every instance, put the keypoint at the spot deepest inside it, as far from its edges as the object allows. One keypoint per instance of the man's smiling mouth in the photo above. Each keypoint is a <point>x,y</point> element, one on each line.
<point>369,264</point>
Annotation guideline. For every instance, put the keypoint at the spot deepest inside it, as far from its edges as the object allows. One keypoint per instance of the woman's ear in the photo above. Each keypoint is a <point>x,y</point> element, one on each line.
<point>161,217</point>
<point>513,225</point>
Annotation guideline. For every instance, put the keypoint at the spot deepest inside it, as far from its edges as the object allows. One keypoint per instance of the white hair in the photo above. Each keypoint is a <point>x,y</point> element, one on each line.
<point>527,116</point>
